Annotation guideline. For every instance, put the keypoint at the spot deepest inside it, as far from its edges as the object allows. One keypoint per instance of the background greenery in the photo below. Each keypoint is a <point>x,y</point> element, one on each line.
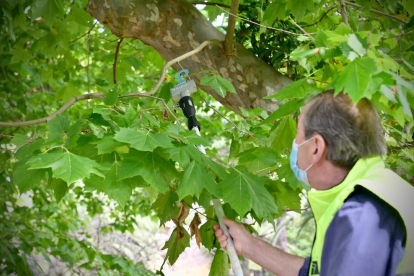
<point>132,149</point>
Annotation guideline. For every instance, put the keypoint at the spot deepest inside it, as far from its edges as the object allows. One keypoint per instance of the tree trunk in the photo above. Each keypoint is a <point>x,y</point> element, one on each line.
<point>174,27</point>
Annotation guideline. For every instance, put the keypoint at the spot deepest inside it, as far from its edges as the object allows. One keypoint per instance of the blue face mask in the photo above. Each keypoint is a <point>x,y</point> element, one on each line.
<point>301,175</point>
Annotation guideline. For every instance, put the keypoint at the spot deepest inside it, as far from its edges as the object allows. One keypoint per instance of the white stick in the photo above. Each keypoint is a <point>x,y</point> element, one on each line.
<point>231,250</point>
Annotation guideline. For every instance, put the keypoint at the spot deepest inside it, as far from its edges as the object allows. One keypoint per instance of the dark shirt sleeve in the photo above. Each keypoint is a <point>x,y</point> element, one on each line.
<point>305,268</point>
<point>366,237</point>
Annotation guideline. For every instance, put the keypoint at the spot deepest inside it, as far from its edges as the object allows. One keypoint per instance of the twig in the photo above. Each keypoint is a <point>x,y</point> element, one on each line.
<point>228,41</point>
<point>320,19</point>
<point>59,111</point>
<point>210,3</point>
<point>228,120</point>
<point>102,95</point>
<point>85,34</point>
<point>343,12</point>
<point>6,136</point>
<point>152,97</point>
<point>300,28</point>
<point>377,12</point>
<point>177,59</point>
<point>263,26</point>
<point>192,208</point>
<point>116,58</point>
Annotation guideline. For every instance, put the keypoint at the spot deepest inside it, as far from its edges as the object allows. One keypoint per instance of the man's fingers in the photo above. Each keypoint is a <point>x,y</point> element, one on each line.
<point>223,238</point>
<point>216,227</point>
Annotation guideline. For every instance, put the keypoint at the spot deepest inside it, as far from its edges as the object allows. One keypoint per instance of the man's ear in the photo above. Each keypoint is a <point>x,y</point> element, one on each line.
<point>319,152</point>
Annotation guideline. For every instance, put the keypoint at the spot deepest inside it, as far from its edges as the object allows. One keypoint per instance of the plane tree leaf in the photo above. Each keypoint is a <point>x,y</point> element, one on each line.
<point>66,165</point>
<point>245,191</point>
<point>143,140</point>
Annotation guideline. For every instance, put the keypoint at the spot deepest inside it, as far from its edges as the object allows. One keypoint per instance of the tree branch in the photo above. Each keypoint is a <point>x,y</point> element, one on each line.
<point>263,26</point>
<point>343,12</point>
<point>320,19</point>
<point>210,3</point>
<point>377,12</point>
<point>224,117</point>
<point>300,28</point>
<point>116,58</point>
<point>228,41</point>
<point>180,58</point>
<point>102,95</point>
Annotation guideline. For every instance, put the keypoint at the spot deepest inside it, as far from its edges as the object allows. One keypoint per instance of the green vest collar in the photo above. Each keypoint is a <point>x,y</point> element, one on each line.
<point>321,199</point>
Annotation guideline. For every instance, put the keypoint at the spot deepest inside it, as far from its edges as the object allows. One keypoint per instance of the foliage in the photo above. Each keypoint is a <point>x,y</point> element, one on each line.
<point>135,151</point>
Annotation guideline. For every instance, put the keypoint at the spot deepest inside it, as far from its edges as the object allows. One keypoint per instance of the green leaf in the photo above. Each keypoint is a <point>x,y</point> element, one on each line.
<point>60,188</point>
<point>195,179</point>
<point>259,159</point>
<point>107,144</point>
<point>19,139</point>
<point>218,84</point>
<point>29,149</point>
<point>73,133</point>
<point>286,109</point>
<point>112,96</point>
<point>356,45</point>
<point>299,7</point>
<point>282,135</point>
<point>183,154</point>
<point>58,127</point>
<point>26,179</point>
<point>151,119</point>
<point>355,78</point>
<point>48,9</point>
<point>112,185</point>
<point>220,265</point>
<point>275,10</point>
<point>67,92</point>
<point>143,140</point>
<point>207,234</point>
<point>298,89</point>
<point>166,206</point>
<point>97,130</point>
<point>155,170</point>
<point>66,165</point>
<point>285,196</point>
<point>245,191</point>
<point>176,247</point>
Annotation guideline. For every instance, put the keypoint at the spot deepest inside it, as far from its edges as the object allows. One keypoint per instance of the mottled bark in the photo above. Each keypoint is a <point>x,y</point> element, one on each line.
<point>174,27</point>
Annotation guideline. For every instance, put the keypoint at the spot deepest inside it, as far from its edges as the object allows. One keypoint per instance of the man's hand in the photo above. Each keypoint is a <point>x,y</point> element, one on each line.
<point>241,237</point>
<point>260,252</point>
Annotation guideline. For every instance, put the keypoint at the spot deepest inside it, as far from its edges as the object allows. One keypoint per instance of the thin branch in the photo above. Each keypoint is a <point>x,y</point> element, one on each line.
<point>59,111</point>
<point>320,19</point>
<point>102,95</point>
<point>116,58</point>
<point>153,97</point>
<point>343,12</point>
<point>177,59</point>
<point>210,3</point>
<point>300,28</point>
<point>228,120</point>
<point>263,26</point>
<point>228,41</point>
<point>6,136</point>
<point>85,34</point>
<point>377,12</point>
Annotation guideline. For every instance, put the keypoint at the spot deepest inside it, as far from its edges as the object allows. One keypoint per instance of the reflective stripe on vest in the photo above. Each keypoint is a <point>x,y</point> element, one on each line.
<point>387,185</point>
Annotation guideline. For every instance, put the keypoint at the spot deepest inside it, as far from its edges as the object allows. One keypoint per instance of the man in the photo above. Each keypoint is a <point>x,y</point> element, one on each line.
<point>363,211</point>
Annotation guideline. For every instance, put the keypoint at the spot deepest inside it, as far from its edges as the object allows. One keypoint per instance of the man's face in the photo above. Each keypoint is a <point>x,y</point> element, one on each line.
<point>305,150</point>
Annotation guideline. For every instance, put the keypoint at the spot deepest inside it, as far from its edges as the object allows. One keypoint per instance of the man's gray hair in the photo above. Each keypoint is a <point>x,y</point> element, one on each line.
<point>351,131</point>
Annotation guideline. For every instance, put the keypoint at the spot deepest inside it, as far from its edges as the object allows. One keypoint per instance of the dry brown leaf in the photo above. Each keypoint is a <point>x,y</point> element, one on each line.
<point>180,232</point>
<point>183,214</point>
<point>194,229</point>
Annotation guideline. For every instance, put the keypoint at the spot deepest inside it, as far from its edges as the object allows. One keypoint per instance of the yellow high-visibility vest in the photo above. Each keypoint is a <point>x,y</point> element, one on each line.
<point>371,174</point>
